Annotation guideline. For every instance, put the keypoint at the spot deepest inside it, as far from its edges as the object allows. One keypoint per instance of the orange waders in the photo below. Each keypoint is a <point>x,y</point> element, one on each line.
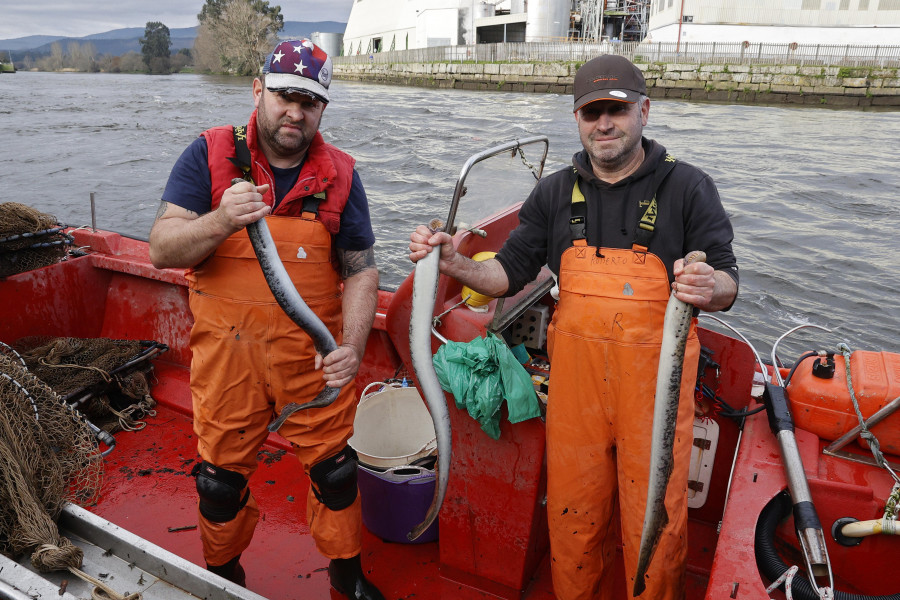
<point>250,360</point>
<point>604,347</point>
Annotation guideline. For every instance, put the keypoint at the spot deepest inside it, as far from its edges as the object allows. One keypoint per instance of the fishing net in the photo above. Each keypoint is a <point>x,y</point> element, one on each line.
<point>47,458</point>
<point>108,380</point>
<point>29,239</point>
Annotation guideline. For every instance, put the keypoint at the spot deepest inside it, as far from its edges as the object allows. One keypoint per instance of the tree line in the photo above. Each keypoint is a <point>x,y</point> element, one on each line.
<point>233,37</point>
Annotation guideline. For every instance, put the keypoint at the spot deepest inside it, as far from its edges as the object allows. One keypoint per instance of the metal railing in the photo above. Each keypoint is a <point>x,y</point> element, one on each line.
<point>666,52</point>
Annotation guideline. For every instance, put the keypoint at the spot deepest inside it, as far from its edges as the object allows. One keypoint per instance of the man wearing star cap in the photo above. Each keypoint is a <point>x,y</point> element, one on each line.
<point>614,228</point>
<point>249,359</point>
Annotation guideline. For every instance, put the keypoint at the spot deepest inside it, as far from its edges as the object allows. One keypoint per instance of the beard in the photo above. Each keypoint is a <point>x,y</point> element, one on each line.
<point>612,155</point>
<point>285,142</point>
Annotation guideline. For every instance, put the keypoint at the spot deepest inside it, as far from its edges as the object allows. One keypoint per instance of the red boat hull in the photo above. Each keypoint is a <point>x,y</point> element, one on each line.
<point>493,538</point>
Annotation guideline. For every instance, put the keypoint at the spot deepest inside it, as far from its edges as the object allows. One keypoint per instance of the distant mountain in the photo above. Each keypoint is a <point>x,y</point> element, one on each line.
<point>121,41</point>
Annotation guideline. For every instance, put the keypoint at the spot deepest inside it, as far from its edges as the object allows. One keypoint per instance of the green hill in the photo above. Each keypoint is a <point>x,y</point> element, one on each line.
<point>117,42</point>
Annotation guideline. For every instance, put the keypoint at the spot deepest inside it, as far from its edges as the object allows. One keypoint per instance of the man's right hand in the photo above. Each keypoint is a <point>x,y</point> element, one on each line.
<point>486,277</point>
<point>241,205</point>
<point>181,238</point>
<point>423,240</point>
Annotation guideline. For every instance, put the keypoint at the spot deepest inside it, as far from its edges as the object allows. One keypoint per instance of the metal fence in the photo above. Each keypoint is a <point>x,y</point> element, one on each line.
<point>667,52</point>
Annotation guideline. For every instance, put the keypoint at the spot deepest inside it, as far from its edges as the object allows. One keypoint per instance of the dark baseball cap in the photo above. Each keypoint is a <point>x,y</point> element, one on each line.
<point>608,77</point>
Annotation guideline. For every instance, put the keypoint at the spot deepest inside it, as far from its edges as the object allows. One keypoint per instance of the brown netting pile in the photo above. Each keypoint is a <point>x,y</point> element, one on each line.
<point>47,457</point>
<point>29,239</point>
<point>106,379</point>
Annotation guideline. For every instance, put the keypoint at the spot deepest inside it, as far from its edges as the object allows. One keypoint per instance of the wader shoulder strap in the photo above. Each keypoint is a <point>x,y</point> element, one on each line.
<point>646,227</point>
<point>578,218</point>
<point>242,157</point>
<point>242,160</point>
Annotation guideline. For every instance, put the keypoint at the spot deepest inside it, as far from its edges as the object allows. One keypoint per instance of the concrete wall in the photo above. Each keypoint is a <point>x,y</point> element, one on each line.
<point>740,84</point>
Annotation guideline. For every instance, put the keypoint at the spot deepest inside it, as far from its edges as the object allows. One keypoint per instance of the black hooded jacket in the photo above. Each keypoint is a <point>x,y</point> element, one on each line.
<point>691,217</point>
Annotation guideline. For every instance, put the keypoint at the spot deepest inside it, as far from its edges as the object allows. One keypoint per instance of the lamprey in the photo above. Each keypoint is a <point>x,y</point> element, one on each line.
<point>424,293</point>
<point>676,327</point>
<point>290,300</point>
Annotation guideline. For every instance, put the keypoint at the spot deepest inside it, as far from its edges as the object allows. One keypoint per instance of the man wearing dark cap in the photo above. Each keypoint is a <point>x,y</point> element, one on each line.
<point>249,359</point>
<point>614,228</point>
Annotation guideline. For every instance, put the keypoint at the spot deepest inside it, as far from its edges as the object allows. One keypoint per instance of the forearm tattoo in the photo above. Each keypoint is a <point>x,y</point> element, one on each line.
<point>162,209</point>
<point>355,261</point>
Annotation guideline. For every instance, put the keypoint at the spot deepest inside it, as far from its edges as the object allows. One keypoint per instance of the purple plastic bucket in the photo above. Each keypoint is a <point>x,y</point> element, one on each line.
<point>395,501</point>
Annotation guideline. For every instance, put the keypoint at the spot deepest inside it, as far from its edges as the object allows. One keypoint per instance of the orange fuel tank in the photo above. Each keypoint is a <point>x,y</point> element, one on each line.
<point>824,407</point>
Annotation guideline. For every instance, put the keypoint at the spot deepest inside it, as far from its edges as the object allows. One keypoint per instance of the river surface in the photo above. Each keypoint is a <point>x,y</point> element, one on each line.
<point>812,192</point>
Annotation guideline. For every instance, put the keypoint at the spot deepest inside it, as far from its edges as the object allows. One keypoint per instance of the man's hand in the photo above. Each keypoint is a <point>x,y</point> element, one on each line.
<point>339,367</point>
<point>702,286</point>
<point>423,240</point>
<point>241,205</point>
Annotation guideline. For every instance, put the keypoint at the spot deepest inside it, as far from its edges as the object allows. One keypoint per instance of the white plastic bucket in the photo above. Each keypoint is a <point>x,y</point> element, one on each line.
<point>392,427</point>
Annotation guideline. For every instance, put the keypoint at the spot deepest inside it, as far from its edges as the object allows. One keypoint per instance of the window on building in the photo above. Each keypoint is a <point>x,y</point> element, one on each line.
<point>376,44</point>
<point>889,5</point>
<point>811,5</point>
<point>863,4</point>
<point>845,5</point>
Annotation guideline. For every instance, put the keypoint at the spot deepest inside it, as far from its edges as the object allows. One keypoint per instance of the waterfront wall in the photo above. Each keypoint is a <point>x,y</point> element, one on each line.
<point>832,86</point>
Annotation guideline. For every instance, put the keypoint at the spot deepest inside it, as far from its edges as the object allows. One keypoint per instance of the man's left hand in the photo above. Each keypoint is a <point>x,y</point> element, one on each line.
<point>702,286</point>
<point>339,367</point>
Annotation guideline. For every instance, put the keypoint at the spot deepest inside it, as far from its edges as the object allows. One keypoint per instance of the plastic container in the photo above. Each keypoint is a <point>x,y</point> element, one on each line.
<point>824,407</point>
<point>395,501</point>
<point>392,428</point>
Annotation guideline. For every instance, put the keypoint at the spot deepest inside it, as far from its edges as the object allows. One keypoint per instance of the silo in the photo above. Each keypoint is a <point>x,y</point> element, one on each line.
<point>331,43</point>
<point>483,10</point>
<point>547,20</point>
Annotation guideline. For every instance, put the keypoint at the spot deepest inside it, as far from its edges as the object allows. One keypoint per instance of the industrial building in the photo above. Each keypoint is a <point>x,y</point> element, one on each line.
<point>803,22</point>
<point>382,25</point>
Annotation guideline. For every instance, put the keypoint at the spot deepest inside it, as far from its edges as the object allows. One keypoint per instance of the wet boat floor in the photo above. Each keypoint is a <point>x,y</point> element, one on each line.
<point>148,490</point>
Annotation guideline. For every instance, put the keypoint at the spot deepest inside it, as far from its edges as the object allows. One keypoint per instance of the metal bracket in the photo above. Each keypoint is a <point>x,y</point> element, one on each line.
<point>834,448</point>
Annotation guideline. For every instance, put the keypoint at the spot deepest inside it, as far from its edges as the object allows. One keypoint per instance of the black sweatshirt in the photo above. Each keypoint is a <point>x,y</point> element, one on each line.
<point>691,217</point>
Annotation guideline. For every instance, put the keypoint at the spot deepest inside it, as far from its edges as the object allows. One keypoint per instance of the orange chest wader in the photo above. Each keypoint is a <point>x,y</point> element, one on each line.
<point>250,360</point>
<point>604,345</point>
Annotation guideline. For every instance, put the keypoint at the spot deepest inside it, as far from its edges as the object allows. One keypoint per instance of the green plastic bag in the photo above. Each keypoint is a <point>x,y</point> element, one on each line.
<point>481,374</point>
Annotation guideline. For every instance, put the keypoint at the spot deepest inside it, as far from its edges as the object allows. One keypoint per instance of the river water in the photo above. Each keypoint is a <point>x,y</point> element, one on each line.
<point>812,192</point>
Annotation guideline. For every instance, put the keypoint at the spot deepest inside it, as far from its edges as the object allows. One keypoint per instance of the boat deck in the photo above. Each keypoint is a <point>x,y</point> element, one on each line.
<point>153,465</point>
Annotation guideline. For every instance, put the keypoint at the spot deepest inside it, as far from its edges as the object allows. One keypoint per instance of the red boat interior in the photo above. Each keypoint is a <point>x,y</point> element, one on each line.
<point>493,540</point>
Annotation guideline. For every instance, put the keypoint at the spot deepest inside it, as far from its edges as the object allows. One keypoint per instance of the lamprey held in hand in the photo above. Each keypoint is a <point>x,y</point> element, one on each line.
<point>423,298</point>
<point>290,300</point>
<point>676,327</point>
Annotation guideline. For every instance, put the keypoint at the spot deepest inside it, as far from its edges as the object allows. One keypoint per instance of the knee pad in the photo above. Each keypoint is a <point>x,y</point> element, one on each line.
<point>334,479</point>
<point>220,491</point>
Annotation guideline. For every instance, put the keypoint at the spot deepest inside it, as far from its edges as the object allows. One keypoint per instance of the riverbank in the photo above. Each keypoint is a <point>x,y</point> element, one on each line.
<point>851,87</point>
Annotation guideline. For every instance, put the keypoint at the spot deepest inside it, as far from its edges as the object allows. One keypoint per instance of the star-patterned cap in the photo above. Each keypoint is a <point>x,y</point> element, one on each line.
<point>299,66</point>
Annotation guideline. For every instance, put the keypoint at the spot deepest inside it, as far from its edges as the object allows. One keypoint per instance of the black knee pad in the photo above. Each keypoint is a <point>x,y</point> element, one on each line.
<point>334,479</point>
<point>220,491</point>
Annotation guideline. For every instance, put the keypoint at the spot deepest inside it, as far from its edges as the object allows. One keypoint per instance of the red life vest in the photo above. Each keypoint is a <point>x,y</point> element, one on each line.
<point>326,169</point>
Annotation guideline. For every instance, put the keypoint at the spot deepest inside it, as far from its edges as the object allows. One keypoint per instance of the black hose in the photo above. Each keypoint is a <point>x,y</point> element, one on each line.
<point>797,364</point>
<point>769,562</point>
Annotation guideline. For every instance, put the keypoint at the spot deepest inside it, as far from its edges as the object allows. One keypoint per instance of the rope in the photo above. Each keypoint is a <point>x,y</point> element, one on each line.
<point>787,578</point>
<point>126,421</point>
<point>864,432</point>
<point>106,376</point>
<point>102,591</point>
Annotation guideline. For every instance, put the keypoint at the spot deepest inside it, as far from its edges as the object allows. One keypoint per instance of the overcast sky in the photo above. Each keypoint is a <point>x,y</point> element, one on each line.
<point>84,17</point>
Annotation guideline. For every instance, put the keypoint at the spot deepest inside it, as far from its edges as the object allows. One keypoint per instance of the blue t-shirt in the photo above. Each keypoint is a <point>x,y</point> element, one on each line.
<point>190,187</point>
